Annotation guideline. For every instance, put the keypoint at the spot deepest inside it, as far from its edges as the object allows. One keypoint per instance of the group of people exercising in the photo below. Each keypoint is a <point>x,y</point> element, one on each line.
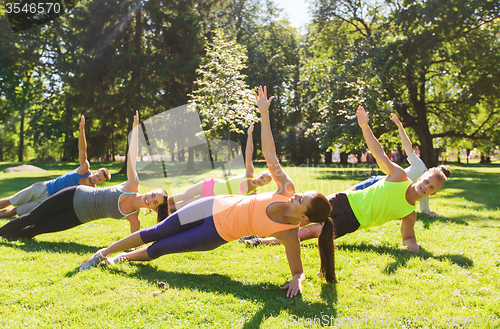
<point>214,212</point>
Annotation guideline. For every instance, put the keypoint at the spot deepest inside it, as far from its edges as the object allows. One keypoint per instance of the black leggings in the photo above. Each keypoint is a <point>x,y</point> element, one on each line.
<point>54,214</point>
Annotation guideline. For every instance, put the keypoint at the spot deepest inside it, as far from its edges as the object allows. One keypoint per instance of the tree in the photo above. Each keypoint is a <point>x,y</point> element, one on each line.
<point>430,61</point>
<point>222,97</point>
<point>21,72</point>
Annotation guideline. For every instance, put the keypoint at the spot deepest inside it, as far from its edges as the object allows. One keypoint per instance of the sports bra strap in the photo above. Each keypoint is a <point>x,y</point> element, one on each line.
<point>125,215</point>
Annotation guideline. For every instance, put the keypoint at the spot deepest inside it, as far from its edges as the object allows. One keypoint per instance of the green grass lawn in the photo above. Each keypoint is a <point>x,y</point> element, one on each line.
<point>452,283</point>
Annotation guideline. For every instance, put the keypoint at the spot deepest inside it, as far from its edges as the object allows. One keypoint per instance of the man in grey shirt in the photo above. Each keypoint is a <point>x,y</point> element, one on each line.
<point>27,199</point>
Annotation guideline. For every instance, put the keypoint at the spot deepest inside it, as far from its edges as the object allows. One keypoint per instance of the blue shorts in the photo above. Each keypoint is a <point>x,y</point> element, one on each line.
<point>367,183</point>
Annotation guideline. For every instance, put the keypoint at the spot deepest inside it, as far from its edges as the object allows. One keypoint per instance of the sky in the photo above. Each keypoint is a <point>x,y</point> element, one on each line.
<point>296,10</point>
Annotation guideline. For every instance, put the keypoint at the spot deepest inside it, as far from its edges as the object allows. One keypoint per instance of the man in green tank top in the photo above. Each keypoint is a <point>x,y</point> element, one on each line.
<point>428,184</point>
<point>391,198</point>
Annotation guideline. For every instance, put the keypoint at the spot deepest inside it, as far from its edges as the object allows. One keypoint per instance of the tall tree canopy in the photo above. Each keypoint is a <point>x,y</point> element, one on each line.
<point>432,62</point>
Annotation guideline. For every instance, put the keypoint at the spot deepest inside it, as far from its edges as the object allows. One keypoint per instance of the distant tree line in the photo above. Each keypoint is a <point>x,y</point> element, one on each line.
<point>434,63</point>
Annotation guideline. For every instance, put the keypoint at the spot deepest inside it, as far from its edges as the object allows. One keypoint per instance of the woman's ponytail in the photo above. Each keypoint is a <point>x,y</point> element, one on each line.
<point>163,210</point>
<point>319,212</point>
<point>326,248</point>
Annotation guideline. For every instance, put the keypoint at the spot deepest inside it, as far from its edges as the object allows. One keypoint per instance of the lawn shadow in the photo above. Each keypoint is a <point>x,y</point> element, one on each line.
<point>403,256</point>
<point>428,220</point>
<point>31,245</point>
<point>272,298</point>
<point>475,186</point>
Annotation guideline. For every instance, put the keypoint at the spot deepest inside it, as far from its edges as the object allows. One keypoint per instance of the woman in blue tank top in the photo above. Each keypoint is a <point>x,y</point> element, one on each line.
<point>77,205</point>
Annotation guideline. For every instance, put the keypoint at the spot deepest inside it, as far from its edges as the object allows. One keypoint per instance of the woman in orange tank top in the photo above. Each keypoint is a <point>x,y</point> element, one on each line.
<point>210,222</point>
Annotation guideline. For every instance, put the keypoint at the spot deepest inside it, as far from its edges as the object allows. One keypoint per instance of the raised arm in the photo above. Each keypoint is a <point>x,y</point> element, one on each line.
<point>132,183</point>
<point>394,172</point>
<point>82,150</point>
<point>249,153</point>
<point>405,141</point>
<point>285,184</point>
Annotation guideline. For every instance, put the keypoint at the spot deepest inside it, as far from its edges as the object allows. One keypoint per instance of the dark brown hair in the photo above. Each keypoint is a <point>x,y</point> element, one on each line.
<point>319,212</point>
<point>163,211</point>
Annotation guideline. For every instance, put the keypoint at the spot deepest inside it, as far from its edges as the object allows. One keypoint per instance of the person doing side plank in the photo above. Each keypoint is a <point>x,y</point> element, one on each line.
<point>243,184</point>
<point>390,198</point>
<point>213,221</point>
<point>27,199</point>
<point>416,169</point>
<point>77,205</point>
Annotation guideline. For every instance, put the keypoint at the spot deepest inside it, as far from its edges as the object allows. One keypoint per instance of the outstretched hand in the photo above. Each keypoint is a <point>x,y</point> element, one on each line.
<point>82,122</point>
<point>395,118</point>
<point>262,101</point>
<point>136,119</point>
<point>250,129</point>
<point>362,117</point>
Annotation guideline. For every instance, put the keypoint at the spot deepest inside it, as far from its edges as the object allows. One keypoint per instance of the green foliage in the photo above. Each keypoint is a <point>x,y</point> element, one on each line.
<point>431,62</point>
<point>222,97</point>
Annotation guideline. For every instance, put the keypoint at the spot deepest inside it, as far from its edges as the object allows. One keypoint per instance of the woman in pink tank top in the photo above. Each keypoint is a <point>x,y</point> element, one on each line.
<point>210,222</point>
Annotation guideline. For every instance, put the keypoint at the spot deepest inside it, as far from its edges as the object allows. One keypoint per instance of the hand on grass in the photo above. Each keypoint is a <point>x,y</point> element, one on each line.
<point>430,213</point>
<point>294,287</point>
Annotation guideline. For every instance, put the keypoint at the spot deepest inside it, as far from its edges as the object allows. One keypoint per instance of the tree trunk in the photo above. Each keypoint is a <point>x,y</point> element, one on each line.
<point>427,152</point>
<point>113,153</point>
<point>190,163</point>
<point>21,135</point>
<point>328,157</point>
<point>485,159</point>
<point>228,149</point>
<point>343,158</point>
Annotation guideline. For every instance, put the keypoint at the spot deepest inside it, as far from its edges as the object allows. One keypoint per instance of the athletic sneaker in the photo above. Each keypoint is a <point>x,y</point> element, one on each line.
<point>92,261</point>
<point>253,242</point>
<point>244,238</point>
<point>120,258</point>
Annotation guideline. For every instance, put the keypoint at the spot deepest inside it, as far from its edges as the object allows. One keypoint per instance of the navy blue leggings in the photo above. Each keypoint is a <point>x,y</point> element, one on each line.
<point>189,229</point>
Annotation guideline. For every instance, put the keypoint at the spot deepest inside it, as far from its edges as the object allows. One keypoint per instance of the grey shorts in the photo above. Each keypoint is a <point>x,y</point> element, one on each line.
<point>30,197</point>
